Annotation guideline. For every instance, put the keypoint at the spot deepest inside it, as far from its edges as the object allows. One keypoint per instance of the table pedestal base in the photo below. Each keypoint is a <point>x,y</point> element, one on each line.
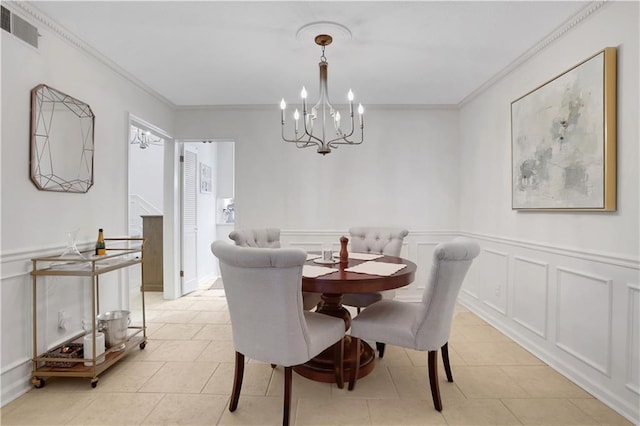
<point>321,368</point>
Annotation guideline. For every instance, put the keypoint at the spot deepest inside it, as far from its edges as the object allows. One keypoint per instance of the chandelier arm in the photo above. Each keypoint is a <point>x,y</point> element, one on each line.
<point>306,144</point>
<point>345,141</point>
<point>316,140</point>
<point>299,140</point>
<point>342,135</point>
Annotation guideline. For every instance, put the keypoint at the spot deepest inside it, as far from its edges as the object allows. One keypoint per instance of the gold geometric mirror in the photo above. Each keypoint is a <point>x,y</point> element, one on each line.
<point>62,130</point>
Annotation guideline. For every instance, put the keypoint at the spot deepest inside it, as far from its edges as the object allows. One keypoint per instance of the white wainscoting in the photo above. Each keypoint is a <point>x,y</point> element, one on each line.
<point>530,294</point>
<point>633,339</point>
<point>583,317</point>
<point>577,310</point>
<point>494,269</point>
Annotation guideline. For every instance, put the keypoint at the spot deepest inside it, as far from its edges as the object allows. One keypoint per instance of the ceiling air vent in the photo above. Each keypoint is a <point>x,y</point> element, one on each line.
<point>19,27</point>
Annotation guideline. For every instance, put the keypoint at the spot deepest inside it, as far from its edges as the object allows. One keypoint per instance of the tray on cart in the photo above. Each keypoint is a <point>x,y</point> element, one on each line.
<point>68,351</point>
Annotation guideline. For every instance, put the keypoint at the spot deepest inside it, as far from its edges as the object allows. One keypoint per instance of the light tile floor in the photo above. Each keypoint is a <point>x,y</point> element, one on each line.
<point>185,373</point>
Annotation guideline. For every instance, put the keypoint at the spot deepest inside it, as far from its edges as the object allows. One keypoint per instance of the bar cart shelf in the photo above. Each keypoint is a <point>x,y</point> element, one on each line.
<point>121,253</point>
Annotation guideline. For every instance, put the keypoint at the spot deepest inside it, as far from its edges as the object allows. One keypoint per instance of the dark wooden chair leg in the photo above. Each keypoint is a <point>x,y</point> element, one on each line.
<point>338,363</point>
<point>355,368</point>
<point>358,310</point>
<point>287,396</point>
<point>433,379</point>
<point>273,366</point>
<point>445,361</point>
<point>380,347</point>
<point>237,382</point>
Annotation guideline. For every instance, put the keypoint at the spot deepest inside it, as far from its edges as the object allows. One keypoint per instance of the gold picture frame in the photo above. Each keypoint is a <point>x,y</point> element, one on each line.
<point>563,140</point>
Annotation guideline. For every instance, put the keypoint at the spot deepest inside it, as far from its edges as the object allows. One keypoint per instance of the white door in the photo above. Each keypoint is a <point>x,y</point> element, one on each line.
<point>189,248</point>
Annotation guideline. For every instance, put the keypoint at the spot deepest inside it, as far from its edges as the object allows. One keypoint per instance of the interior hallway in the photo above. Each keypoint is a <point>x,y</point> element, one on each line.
<point>185,373</point>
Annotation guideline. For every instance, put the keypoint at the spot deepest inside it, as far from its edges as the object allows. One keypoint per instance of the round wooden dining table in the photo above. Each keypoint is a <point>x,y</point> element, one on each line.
<point>332,286</point>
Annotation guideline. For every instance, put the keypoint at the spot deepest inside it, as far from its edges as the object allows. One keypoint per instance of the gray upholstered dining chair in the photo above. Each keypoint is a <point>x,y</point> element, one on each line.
<point>380,241</point>
<point>421,326</point>
<point>262,287</point>
<point>269,238</point>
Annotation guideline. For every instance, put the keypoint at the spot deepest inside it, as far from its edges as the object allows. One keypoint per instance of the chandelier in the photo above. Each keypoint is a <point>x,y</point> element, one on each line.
<point>144,138</point>
<point>321,125</point>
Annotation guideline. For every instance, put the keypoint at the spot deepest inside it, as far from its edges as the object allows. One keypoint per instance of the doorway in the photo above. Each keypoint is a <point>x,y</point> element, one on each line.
<point>207,209</point>
<point>157,187</point>
<point>146,145</point>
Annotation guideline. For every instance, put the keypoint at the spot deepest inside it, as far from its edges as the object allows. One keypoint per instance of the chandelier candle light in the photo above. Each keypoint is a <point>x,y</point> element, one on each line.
<point>324,112</point>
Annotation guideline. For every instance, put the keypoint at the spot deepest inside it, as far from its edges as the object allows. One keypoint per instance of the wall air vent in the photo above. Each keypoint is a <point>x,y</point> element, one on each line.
<point>19,27</point>
<point>6,19</point>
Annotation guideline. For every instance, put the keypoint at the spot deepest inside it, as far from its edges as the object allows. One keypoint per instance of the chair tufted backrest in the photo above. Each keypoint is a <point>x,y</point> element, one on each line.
<point>263,237</point>
<point>262,287</point>
<point>377,240</point>
<point>451,261</point>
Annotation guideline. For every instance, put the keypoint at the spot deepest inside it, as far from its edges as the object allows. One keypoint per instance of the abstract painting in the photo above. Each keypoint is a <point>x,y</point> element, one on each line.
<point>563,140</point>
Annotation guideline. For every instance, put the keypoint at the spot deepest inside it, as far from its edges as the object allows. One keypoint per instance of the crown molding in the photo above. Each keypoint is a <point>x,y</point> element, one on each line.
<point>270,107</point>
<point>26,8</point>
<point>32,11</point>
<point>565,27</point>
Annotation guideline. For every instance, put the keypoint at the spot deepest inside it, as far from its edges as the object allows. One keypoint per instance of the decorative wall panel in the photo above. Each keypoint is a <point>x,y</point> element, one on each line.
<point>471,285</point>
<point>633,340</point>
<point>583,326</point>
<point>530,288</point>
<point>495,272</point>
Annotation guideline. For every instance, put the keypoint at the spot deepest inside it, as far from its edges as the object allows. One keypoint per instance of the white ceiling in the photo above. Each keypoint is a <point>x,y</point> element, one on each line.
<point>237,52</point>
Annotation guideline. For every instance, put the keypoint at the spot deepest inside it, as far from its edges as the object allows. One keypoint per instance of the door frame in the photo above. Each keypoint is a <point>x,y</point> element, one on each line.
<point>184,147</point>
<point>172,210</point>
<point>172,226</point>
<point>169,252</point>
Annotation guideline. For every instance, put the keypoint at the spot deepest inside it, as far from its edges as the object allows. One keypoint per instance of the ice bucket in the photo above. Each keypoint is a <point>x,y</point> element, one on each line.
<point>114,325</point>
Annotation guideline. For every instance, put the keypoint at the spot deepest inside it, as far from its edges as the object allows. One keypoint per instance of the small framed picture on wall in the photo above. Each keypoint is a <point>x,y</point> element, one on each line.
<point>206,182</point>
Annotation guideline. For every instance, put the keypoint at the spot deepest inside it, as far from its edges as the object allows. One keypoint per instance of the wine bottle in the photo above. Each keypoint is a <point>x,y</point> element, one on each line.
<point>101,248</point>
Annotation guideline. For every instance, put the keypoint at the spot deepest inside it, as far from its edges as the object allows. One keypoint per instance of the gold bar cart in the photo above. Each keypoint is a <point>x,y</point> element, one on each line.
<point>48,365</point>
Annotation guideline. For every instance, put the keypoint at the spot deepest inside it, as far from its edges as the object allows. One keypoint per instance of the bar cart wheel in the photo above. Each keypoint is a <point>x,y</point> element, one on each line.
<point>143,345</point>
<point>94,382</point>
<point>37,382</point>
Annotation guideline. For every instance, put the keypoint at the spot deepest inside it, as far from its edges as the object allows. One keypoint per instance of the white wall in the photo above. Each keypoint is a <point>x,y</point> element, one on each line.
<point>225,170</point>
<point>35,222</point>
<point>486,143</point>
<point>565,285</point>
<point>405,173</point>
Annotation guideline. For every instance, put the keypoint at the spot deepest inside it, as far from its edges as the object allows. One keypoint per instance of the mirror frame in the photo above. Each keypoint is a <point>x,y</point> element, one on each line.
<point>42,160</point>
